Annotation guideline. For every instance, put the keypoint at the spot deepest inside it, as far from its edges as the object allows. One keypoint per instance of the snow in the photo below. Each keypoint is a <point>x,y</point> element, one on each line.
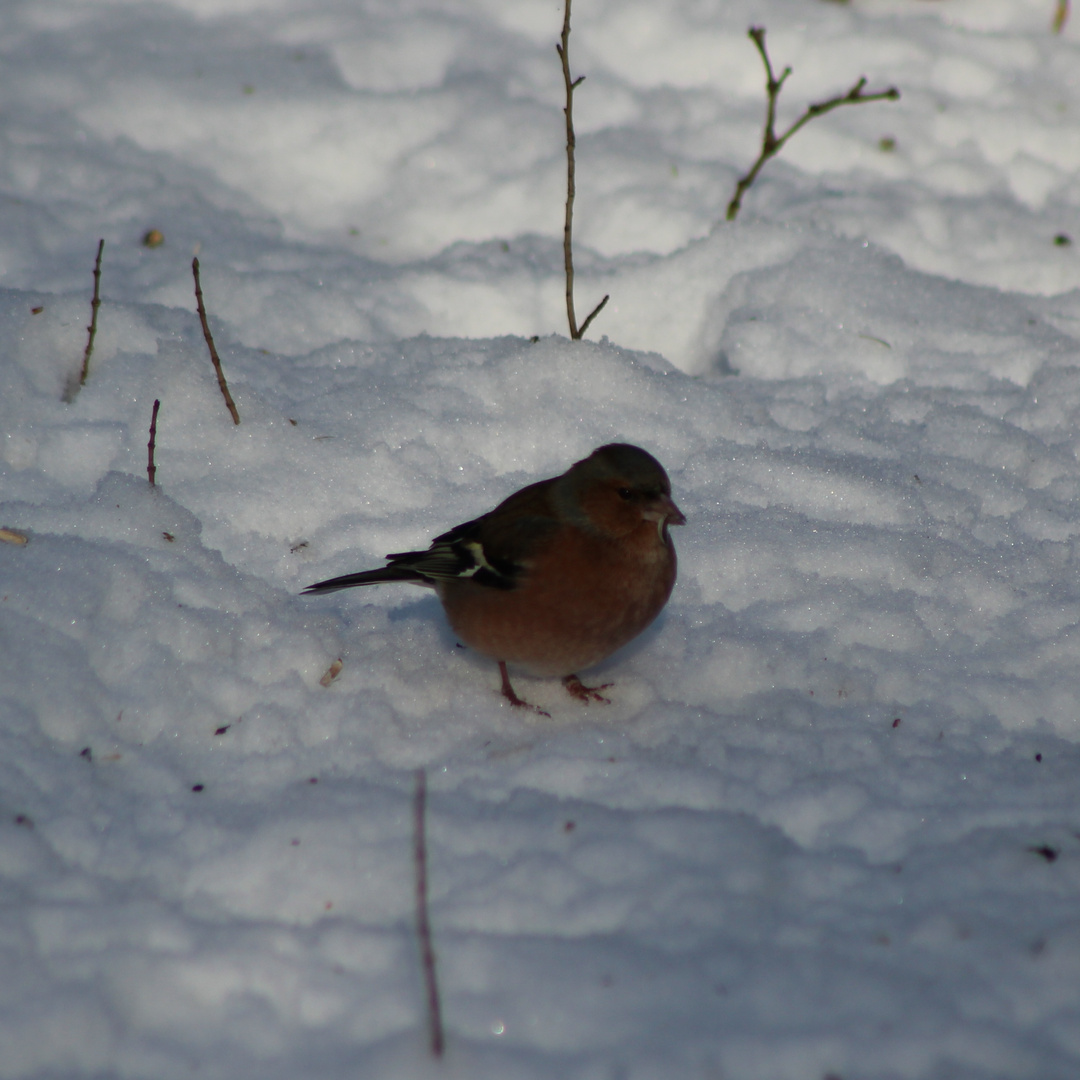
<point>827,826</point>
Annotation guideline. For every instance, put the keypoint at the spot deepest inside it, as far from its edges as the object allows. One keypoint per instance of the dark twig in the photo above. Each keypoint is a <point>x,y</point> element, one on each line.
<point>423,926</point>
<point>592,315</point>
<point>210,344</point>
<point>91,330</point>
<point>771,143</point>
<point>151,468</point>
<point>563,49</point>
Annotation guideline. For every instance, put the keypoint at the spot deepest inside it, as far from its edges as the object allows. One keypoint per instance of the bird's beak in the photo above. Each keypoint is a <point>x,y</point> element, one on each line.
<point>675,516</point>
<point>665,512</point>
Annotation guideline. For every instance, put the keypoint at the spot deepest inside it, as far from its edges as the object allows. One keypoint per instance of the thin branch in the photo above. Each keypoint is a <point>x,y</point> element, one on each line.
<point>592,315</point>
<point>771,143</point>
<point>94,305</point>
<point>151,468</point>
<point>210,344</point>
<point>423,926</point>
<point>571,84</point>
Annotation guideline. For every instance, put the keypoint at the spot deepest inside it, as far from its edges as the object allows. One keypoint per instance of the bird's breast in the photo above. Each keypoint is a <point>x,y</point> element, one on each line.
<point>576,602</point>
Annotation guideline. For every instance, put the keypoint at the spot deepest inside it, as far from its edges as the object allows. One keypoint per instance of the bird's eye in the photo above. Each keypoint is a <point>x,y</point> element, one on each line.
<point>626,493</point>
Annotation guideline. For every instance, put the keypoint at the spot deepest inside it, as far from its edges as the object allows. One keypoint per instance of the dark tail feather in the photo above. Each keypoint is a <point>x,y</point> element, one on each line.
<point>366,577</point>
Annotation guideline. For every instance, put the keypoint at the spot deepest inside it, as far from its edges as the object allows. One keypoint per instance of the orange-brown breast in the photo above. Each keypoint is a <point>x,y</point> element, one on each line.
<point>577,602</point>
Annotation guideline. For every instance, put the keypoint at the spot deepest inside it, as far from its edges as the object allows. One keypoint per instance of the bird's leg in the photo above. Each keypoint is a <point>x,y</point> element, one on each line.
<point>576,688</point>
<point>511,696</point>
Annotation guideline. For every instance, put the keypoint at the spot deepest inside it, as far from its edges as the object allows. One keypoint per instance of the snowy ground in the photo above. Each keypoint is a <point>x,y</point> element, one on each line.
<point>828,827</point>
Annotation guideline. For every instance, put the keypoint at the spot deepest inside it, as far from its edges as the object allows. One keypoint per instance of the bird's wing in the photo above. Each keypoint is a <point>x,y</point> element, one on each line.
<point>493,550</point>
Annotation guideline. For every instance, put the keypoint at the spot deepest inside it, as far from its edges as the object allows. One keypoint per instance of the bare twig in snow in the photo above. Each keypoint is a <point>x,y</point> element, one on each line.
<point>563,49</point>
<point>151,468</point>
<point>210,344</point>
<point>91,330</point>
<point>423,926</point>
<point>771,143</point>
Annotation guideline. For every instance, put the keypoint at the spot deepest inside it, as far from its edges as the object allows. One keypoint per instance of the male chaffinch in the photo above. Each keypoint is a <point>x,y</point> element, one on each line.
<point>559,575</point>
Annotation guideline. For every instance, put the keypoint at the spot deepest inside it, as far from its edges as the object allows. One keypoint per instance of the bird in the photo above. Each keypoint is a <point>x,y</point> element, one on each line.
<point>559,575</point>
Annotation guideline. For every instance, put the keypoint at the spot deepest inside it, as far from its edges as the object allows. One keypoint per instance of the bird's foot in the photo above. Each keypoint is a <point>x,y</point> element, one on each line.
<point>577,689</point>
<point>511,696</point>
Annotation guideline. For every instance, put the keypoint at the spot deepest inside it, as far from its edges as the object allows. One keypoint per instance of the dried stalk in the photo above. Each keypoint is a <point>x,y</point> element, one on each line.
<point>1061,16</point>
<point>151,468</point>
<point>210,344</point>
<point>91,330</point>
<point>563,49</point>
<point>771,143</point>
<point>423,925</point>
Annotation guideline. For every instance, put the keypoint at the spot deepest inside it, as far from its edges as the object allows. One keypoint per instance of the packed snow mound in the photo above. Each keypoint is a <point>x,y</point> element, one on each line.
<point>827,825</point>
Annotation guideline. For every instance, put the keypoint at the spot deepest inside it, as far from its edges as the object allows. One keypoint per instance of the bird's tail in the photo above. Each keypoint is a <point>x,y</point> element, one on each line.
<point>366,577</point>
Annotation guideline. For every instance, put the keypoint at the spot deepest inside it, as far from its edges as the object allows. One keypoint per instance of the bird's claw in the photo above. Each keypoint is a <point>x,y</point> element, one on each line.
<point>509,693</point>
<point>577,689</point>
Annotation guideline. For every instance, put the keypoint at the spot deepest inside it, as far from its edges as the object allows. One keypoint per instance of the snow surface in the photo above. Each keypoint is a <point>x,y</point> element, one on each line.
<point>828,826</point>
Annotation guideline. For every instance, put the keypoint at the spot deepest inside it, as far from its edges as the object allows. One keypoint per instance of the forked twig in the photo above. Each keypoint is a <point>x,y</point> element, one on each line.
<point>91,330</point>
<point>423,926</point>
<point>151,468</point>
<point>592,315</point>
<point>771,143</point>
<point>563,49</point>
<point>210,344</point>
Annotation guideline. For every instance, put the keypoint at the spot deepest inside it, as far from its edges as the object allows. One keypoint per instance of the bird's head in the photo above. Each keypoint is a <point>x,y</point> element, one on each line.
<point>617,487</point>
